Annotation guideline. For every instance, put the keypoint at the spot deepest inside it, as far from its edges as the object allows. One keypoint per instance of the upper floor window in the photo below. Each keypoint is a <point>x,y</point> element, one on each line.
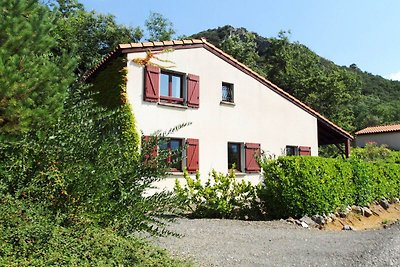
<point>171,87</point>
<point>227,92</point>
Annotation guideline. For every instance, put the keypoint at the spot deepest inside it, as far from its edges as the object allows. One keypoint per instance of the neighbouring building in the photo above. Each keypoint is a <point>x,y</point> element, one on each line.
<point>382,135</point>
<point>234,112</point>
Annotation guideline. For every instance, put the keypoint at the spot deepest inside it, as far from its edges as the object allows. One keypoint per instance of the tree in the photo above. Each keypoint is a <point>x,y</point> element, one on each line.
<point>89,35</point>
<point>242,46</point>
<point>33,78</point>
<point>327,88</point>
<point>159,28</point>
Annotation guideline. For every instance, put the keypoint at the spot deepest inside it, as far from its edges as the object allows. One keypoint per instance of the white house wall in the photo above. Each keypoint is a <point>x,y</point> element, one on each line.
<point>392,139</point>
<point>259,115</point>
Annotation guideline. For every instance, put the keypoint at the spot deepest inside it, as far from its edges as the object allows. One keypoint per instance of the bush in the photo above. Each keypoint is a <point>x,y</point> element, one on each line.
<point>374,181</point>
<point>294,186</point>
<point>89,162</point>
<point>222,196</point>
<point>373,153</point>
<point>32,236</point>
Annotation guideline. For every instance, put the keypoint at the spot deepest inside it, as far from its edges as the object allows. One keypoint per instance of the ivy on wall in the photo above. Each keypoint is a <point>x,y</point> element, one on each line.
<point>109,91</point>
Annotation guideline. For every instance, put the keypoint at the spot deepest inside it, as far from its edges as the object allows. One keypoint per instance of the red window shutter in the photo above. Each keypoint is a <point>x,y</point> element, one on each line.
<point>152,84</point>
<point>192,152</point>
<point>252,151</point>
<point>154,152</point>
<point>304,151</point>
<point>193,99</point>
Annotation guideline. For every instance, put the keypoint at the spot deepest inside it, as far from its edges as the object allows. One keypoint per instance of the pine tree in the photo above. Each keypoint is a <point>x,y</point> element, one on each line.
<point>33,79</point>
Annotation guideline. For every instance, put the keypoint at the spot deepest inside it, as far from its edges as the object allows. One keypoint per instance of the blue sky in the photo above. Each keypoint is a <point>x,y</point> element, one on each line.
<point>364,32</point>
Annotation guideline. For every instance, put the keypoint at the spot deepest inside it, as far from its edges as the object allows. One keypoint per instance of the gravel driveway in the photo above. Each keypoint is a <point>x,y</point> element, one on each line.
<point>278,243</point>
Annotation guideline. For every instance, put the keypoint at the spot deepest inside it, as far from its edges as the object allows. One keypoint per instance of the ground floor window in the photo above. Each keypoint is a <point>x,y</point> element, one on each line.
<point>173,147</point>
<point>292,151</point>
<point>234,156</point>
<point>298,151</point>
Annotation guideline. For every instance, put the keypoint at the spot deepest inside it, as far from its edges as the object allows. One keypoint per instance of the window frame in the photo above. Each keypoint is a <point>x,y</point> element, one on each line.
<point>295,150</point>
<point>170,98</point>
<point>238,167</point>
<point>231,87</point>
<point>180,155</point>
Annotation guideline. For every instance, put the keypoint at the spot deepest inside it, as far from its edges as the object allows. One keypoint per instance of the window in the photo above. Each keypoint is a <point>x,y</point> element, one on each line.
<point>227,92</point>
<point>292,151</point>
<point>244,157</point>
<point>174,148</point>
<point>171,87</point>
<point>234,156</point>
<point>298,151</point>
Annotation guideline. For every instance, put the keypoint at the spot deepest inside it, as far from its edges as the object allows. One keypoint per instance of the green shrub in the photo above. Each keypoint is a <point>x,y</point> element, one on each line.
<point>373,153</point>
<point>222,196</point>
<point>33,236</point>
<point>295,186</point>
<point>89,162</point>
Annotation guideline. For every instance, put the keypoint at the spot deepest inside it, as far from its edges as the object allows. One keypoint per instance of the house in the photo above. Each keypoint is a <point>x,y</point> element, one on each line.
<point>382,135</point>
<point>235,112</point>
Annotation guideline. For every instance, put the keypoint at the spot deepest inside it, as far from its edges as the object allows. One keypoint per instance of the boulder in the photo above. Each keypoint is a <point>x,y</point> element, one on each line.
<point>358,210</point>
<point>301,223</point>
<point>347,228</point>
<point>384,203</point>
<point>291,220</point>
<point>367,212</point>
<point>318,219</point>
<point>308,221</point>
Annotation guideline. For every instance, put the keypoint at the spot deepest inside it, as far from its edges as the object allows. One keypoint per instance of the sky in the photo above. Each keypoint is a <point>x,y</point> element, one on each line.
<point>364,32</point>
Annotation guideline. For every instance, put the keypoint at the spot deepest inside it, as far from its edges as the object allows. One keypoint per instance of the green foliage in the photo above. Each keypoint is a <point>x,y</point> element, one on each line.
<point>348,96</point>
<point>295,186</point>
<point>375,180</point>
<point>33,79</point>
<point>159,28</point>
<point>89,35</point>
<point>222,196</point>
<point>372,152</point>
<point>243,47</point>
<point>88,163</point>
<point>31,236</point>
<point>73,175</point>
<point>329,89</point>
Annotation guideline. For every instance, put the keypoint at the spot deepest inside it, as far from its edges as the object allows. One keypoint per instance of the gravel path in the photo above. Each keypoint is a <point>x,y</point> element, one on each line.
<point>278,243</point>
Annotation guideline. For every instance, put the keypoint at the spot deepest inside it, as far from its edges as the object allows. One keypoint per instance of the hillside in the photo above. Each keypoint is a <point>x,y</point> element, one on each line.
<point>350,97</point>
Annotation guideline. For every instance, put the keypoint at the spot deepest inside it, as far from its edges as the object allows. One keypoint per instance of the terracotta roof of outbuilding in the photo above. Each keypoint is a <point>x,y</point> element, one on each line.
<point>380,129</point>
<point>198,43</point>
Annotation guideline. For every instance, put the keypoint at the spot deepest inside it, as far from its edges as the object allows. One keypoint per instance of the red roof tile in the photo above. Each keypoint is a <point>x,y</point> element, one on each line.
<point>380,129</point>
<point>148,44</point>
<point>122,46</point>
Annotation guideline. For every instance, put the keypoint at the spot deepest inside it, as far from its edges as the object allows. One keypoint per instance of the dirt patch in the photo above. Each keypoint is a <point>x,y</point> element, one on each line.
<point>380,218</point>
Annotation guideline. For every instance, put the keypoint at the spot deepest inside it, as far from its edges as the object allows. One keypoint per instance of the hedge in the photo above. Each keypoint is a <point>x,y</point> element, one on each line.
<point>295,186</point>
